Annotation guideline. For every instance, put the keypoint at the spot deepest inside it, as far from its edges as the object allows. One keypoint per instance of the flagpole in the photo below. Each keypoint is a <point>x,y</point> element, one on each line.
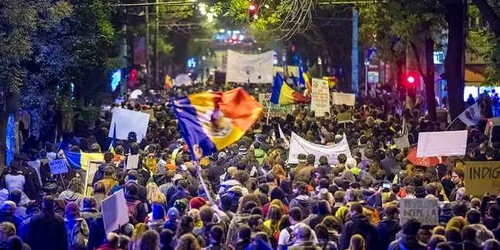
<point>268,112</point>
<point>198,170</point>
<point>451,123</point>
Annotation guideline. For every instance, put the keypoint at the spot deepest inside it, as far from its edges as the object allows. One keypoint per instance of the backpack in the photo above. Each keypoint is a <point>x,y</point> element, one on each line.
<point>132,211</point>
<point>292,237</point>
<point>77,236</point>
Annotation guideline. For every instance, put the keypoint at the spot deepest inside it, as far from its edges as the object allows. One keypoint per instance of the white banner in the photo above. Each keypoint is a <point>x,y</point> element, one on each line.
<point>343,98</point>
<point>447,143</point>
<point>127,121</point>
<point>320,97</point>
<point>300,145</point>
<point>253,68</point>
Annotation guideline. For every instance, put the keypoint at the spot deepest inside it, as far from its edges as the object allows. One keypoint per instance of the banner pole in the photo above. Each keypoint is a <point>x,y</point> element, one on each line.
<point>268,112</point>
<point>198,170</point>
<point>451,123</point>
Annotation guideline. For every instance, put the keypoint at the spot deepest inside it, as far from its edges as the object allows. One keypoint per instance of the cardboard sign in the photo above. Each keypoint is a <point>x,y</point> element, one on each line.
<point>132,162</point>
<point>343,99</point>
<point>344,117</point>
<point>58,167</point>
<point>320,97</point>
<point>447,143</point>
<point>92,167</point>
<point>127,121</point>
<point>274,110</point>
<point>114,211</point>
<point>300,145</point>
<point>482,177</point>
<point>424,210</point>
<point>402,142</point>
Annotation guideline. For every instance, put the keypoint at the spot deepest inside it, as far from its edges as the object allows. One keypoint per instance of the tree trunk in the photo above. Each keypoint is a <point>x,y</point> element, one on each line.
<point>454,63</point>
<point>489,14</point>
<point>429,78</point>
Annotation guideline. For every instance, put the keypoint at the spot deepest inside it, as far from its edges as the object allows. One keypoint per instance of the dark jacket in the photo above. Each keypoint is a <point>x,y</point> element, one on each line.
<point>141,209</point>
<point>47,231</point>
<point>471,245</point>
<point>360,224</point>
<point>181,194</point>
<point>304,203</point>
<point>99,174</point>
<point>387,230</point>
<point>97,234</point>
<point>32,185</point>
<point>407,242</point>
<point>7,217</point>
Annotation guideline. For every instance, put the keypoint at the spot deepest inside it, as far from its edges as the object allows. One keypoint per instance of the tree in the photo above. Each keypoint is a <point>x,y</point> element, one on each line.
<point>19,21</point>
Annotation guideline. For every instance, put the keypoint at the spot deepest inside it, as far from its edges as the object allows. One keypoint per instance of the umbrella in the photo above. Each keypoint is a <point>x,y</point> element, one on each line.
<point>422,161</point>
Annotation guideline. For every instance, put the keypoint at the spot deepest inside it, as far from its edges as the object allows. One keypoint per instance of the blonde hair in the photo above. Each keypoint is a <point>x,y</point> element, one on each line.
<point>139,230</point>
<point>357,242</point>
<point>154,194</point>
<point>7,230</point>
<point>187,242</point>
<point>457,222</point>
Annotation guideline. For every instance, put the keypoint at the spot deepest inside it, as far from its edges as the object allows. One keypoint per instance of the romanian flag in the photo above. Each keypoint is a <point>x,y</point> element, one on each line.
<point>168,82</point>
<point>211,121</point>
<point>283,94</point>
<point>79,160</point>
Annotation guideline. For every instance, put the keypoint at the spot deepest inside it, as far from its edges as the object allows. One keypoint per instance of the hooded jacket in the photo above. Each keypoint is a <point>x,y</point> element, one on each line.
<point>360,224</point>
<point>304,203</point>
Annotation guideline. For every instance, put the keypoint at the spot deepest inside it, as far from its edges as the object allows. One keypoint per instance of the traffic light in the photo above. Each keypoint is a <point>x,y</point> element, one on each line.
<point>253,8</point>
<point>412,79</point>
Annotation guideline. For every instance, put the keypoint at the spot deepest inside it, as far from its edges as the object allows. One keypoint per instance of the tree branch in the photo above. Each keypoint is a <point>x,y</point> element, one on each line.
<point>417,57</point>
<point>489,14</point>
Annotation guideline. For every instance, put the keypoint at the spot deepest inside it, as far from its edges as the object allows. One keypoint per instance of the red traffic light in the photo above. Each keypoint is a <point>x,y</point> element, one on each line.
<point>410,79</point>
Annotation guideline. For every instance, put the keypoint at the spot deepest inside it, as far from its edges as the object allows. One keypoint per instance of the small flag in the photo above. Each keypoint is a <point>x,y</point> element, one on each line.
<point>471,116</point>
<point>113,142</point>
<point>283,94</point>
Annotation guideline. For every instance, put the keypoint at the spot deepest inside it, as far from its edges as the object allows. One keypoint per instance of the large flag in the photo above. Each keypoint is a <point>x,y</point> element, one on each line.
<point>211,121</point>
<point>283,94</point>
<point>79,160</point>
<point>471,116</point>
<point>249,68</point>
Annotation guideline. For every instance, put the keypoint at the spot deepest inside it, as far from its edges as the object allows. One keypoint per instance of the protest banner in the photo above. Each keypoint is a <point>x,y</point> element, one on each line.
<point>344,117</point>
<point>482,177</point>
<point>92,167</point>
<point>320,97</point>
<point>132,162</point>
<point>300,145</point>
<point>402,142</point>
<point>114,211</point>
<point>58,167</point>
<point>274,110</point>
<point>249,68</point>
<point>426,211</point>
<point>127,121</point>
<point>343,99</point>
<point>447,143</point>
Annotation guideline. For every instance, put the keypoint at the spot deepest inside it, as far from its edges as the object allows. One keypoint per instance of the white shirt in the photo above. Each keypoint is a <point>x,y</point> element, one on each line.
<point>285,235</point>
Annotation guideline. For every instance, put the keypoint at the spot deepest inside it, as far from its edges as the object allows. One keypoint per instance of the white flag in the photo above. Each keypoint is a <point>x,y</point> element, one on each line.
<point>282,135</point>
<point>471,116</point>
<point>253,68</point>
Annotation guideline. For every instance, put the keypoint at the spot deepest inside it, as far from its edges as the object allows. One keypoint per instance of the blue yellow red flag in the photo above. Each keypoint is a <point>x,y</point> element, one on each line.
<point>211,121</point>
<point>283,94</point>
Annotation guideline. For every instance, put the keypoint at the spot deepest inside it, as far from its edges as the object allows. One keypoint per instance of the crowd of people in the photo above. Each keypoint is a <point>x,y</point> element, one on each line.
<point>253,199</point>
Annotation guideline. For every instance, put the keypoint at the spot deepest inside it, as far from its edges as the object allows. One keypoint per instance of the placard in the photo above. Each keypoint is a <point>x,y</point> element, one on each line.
<point>249,68</point>
<point>344,117</point>
<point>114,211</point>
<point>402,142</point>
<point>300,145</point>
<point>447,143</point>
<point>58,167</point>
<point>482,177</point>
<point>274,110</point>
<point>320,97</point>
<point>92,167</point>
<point>343,99</point>
<point>127,121</point>
<point>426,211</point>
<point>132,162</point>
